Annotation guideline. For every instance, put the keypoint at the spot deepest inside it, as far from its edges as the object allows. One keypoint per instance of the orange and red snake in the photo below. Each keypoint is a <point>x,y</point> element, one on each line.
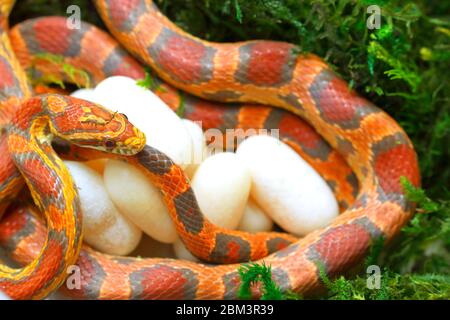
<point>29,124</point>
<point>271,73</point>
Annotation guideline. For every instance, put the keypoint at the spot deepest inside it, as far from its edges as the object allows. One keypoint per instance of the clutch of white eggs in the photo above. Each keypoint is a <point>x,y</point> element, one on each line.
<point>263,183</point>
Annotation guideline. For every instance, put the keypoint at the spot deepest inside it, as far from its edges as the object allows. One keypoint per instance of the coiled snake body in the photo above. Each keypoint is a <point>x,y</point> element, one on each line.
<point>271,73</point>
<point>29,125</point>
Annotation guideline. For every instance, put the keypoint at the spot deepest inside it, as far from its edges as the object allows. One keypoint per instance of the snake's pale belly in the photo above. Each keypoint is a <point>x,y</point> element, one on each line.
<point>377,151</point>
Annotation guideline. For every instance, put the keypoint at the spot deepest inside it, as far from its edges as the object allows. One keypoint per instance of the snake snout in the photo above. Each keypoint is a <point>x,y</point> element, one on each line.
<point>133,144</point>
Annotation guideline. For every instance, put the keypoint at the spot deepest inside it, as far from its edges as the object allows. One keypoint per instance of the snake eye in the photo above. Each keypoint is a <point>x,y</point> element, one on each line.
<point>110,144</point>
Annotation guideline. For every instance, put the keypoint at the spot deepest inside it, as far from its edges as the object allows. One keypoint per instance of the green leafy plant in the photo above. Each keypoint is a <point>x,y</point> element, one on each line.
<point>424,244</point>
<point>393,287</point>
<point>149,81</point>
<point>258,273</point>
<point>71,72</point>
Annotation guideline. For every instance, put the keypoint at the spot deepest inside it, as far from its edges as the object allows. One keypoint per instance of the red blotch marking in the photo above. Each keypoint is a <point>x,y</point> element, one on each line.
<point>41,177</point>
<point>282,244</point>
<point>398,161</point>
<point>182,57</point>
<point>26,113</point>
<point>7,167</point>
<point>299,130</point>
<point>7,77</point>
<point>121,10</point>
<point>188,213</point>
<point>88,274</point>
<point>233,251</point>
<point>45,272</point>
<point>163,281</point>
<point>267,59</point>
<point>53,29</point>
<point>11,224</point>
<point>338,103</point>
<point>343,246</point>
<point>209,114</point>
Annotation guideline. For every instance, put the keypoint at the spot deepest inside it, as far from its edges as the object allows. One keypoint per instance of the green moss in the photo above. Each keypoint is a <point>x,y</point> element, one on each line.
<point>393,287</point>
<point>148,82</point>
<point>70,73</point>
<point>423,246</point>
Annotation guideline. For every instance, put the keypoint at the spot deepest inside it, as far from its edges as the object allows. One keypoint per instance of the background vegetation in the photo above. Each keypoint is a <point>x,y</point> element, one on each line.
<point>402,67</point>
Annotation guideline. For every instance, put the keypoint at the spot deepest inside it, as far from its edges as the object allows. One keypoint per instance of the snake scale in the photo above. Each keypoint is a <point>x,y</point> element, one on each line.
<point>359,149</point>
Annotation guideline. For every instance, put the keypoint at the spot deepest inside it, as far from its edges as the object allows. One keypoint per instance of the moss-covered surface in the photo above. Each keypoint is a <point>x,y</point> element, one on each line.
<point>402,67</point>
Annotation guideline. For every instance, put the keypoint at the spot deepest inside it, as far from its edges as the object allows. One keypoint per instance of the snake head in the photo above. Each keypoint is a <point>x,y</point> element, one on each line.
<point>91,125</point>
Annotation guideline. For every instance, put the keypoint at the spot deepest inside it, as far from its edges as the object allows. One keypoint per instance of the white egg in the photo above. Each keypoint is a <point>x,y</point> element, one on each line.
<point>254,219</point>
<point>164,130</point>
<point>104,227</point>
<point>291,192</point>
<point>198,152</point>
<point>4,296</point>
<point>222,185</point>
<point>139,200</point>
<point>86,94</point>
<point>182,253</point>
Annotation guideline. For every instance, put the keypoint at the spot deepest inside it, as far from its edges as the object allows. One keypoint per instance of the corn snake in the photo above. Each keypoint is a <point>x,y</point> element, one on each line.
<point>376,148</point>
<point>29,125</point>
